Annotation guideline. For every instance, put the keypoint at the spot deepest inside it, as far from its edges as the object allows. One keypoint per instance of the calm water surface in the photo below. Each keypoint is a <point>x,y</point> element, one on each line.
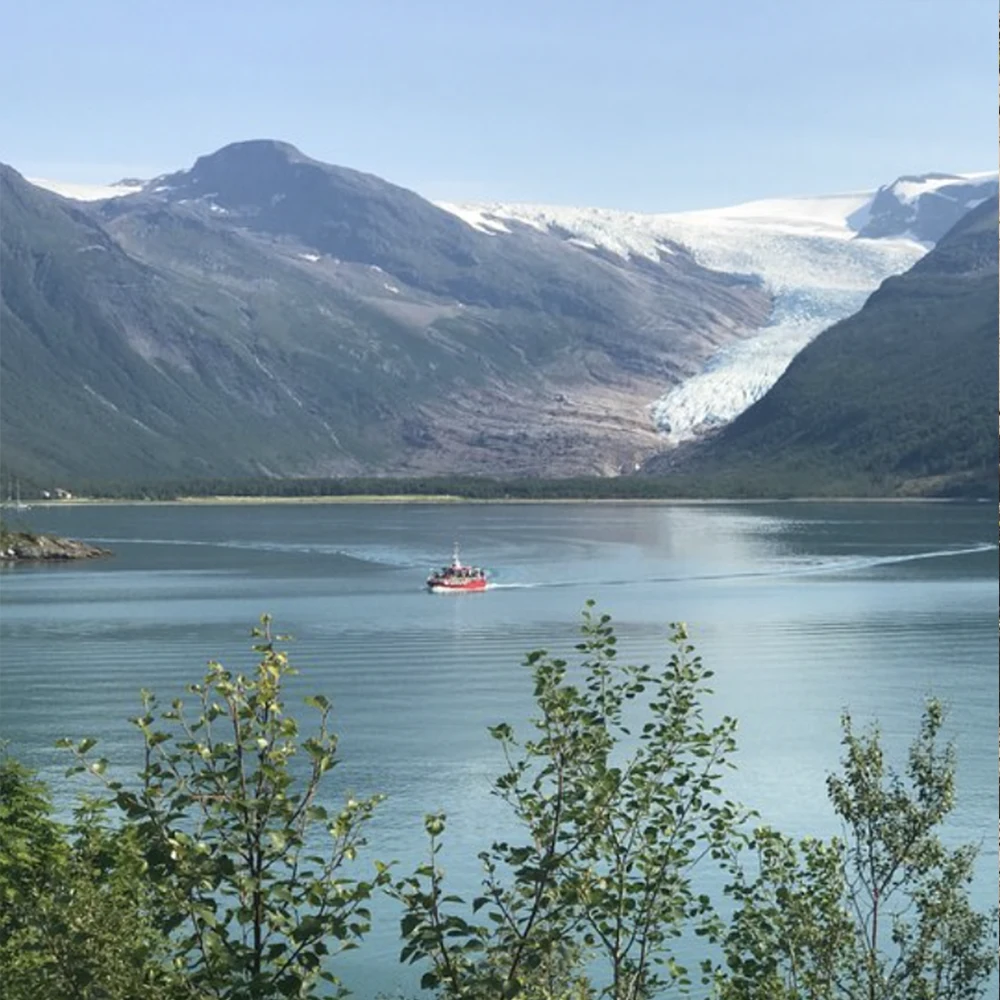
<point>801,609</point>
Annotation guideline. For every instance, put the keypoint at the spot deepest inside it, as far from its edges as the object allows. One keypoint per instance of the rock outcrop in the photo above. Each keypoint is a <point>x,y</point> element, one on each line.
<point>22,546</point>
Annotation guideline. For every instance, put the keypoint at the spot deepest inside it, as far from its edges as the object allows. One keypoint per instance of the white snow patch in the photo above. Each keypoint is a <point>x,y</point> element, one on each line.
<point>623,233</point>
<point>277,381</point>
<point>815,279</point>
<point>651,235</point>
<point>104,401</point>
<point>376,268</point>
<point>476,217</point>
<point>908,189</point>
<point>311,257</point>
<point>912,237</point>
<point>212,207</point>
<point>823,215</point>
<point>815,282</point>
<point>85,192</point>
<point>738,375</point>
<point>818,273</point>
<point>391,288</point>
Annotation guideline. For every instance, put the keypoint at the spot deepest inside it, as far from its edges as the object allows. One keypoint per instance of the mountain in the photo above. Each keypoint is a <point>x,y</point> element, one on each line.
<point>820,257</point>
<point>922,207</point>
<point>263,312</point>
<point>110,367</point>
<point>266,313</point>
<point>898,398</point>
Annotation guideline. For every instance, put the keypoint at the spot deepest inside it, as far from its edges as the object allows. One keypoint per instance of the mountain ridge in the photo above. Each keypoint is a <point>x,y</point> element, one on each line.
<point>891,398</point>
<point>370,331</point>
<point>522,358</point>
<point>793,244</point>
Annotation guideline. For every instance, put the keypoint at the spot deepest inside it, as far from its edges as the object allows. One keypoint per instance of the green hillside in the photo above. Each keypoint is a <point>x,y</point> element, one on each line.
<point>900,398</point>
<point>112,367</point>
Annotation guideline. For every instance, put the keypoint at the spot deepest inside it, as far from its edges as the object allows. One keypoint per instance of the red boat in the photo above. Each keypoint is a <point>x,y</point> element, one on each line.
<point>456,578</point>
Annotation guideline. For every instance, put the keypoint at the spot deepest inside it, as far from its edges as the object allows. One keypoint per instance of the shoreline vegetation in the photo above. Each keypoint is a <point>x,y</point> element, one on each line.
<point>721,488</point>
<point>426,498</point>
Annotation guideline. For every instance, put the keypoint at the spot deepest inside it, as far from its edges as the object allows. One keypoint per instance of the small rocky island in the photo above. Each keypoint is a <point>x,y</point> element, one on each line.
<point>25,546</point>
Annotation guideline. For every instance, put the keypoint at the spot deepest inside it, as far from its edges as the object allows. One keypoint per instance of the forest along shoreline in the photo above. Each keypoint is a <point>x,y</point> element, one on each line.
<point>417,498</point>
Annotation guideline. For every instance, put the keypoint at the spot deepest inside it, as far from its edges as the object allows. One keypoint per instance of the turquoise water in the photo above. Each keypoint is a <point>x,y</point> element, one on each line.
<point>801,609</point>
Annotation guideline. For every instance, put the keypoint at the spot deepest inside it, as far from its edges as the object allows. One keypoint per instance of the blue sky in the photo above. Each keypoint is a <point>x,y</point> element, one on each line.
<point>643,104</point>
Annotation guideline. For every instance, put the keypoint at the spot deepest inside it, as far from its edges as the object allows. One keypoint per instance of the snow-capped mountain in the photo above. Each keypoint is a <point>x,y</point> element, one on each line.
<point>820,257</point>
<point>261,309</point>
<point>923,207</point>
<point>899,393</point>
<point>90,192</point>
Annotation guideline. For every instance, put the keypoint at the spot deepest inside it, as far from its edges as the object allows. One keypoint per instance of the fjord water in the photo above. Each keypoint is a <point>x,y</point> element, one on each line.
<point>802,610</point>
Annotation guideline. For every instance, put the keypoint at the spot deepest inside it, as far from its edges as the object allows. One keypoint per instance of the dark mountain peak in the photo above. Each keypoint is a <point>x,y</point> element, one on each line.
<point>9,174</point>
<point>15,192</point>
<point>922,206</point>
<point>253,152</point>
<point>21,199</point>
<point>272,185</point>
<point>240,173</point>
<point>272,188</point>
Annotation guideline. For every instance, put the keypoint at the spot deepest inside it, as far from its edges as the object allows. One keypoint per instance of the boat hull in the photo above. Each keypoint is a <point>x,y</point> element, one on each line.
<point>465,587</point>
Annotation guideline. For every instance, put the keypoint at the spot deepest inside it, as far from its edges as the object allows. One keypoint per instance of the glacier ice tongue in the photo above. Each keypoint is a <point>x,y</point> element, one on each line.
<point>805,250</point>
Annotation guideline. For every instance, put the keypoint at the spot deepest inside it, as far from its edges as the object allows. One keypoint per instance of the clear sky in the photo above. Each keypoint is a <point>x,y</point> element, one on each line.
<point>643,104</point>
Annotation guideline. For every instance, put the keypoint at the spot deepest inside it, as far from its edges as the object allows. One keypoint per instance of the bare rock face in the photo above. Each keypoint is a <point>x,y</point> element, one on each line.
<point>264,311</point>
<point>23,546</point>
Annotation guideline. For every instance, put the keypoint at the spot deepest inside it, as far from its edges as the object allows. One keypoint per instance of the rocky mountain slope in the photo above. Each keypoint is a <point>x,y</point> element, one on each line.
<point>820,258</point>
<point>898,398</point>
<point>263,312</point>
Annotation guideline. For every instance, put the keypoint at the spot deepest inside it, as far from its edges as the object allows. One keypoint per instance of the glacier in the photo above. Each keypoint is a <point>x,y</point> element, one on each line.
<point>818,274</point>
<point>806,251</point>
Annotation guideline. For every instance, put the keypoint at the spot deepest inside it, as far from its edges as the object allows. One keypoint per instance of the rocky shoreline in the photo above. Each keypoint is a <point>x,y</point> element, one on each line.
<point>22,546</point>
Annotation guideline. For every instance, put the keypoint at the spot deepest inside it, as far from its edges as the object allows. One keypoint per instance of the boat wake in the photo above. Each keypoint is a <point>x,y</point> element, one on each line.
<point>386,558</point>
<point>818,567</point>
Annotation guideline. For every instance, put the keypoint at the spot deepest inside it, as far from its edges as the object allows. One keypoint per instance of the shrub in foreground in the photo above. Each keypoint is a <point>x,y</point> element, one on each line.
<point>225,872</point>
